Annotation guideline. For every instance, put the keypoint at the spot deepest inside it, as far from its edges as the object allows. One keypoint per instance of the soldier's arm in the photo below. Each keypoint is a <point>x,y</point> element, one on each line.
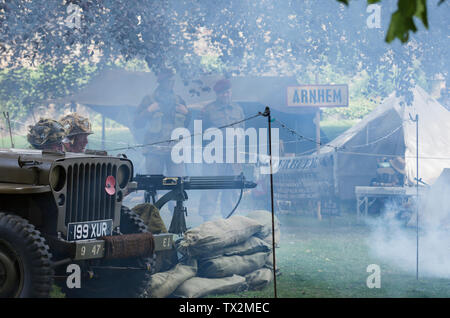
<point>188,118</point>
<point>142,112</point>
<point>182,108</point>
<point>204,117</point>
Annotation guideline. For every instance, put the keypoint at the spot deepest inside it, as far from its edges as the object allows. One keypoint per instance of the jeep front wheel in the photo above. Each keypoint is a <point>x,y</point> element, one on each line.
<point>24,259</point>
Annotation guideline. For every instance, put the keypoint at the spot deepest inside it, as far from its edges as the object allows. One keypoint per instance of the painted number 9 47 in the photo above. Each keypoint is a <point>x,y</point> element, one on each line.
<point>94,250</point>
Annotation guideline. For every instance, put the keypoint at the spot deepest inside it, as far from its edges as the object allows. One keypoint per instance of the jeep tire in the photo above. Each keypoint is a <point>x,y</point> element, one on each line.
<point>25,260</point>
<point>118,283</point>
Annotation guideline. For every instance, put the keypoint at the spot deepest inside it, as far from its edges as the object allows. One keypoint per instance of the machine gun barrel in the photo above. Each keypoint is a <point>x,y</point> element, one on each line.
<point>160,182</point>
<point>222,182</point>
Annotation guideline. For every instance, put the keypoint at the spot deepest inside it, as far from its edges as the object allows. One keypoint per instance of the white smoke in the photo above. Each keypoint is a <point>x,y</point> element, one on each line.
<point>394,239</point>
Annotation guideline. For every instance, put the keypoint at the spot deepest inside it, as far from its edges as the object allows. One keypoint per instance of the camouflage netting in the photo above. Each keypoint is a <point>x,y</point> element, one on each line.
<point>75,124</point>
<point>230,255</point>
<point>45,132</point>
<point>151,217</point>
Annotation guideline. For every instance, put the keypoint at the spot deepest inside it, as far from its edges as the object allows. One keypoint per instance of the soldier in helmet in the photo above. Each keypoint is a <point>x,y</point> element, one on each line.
<point>46,134</point>
<point>78,129</point>
<point>157,116</point>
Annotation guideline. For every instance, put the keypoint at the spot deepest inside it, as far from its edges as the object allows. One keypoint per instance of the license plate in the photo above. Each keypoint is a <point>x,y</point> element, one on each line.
<point>89,230</point>
<point>163,242</point>
<point>89,249</point>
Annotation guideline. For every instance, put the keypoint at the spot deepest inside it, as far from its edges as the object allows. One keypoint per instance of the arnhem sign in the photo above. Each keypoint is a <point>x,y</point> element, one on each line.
<point>317,96</point>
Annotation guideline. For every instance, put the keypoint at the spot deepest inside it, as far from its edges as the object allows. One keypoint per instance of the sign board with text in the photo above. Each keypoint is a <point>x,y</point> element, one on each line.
<point>317,96</point>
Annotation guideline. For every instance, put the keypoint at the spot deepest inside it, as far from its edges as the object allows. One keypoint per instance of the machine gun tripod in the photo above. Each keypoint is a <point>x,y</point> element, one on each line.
<point>177,187</point>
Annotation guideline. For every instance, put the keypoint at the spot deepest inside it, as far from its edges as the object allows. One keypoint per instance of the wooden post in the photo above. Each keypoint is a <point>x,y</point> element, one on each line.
<point>417,195</point>
<point>319,207</point>
<point>103,132</point>
<point>9,127</point>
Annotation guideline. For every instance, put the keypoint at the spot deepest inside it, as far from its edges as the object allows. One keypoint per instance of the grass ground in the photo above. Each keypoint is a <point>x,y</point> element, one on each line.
<point>329,258</point>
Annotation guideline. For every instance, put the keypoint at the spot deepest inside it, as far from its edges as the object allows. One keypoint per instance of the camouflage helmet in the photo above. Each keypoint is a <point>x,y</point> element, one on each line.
<point>45,132</point>
<point>75,125</point>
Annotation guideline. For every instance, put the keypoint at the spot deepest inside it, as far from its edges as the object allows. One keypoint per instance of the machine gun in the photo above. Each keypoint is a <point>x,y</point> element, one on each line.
<point>177,187</point>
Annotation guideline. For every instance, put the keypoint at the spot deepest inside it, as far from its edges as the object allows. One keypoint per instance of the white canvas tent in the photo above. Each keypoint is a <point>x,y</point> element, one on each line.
<point>388,131</point>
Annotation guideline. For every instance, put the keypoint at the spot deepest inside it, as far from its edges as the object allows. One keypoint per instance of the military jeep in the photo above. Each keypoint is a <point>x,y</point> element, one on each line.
<point>58,209</point>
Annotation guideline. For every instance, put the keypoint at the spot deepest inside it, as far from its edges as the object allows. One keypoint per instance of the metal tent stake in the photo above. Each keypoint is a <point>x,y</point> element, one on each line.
<point>267,114</point>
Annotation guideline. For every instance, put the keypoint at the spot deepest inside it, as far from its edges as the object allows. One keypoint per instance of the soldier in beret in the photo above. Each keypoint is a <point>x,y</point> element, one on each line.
<point>221,112</point>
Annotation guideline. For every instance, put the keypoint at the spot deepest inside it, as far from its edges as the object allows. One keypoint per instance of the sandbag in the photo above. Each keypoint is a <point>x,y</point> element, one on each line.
<point>163,284</point>
<point>259,278</point>
<point>151,217</point>
<point>269,263</point>
<point>213,235</point>
<point>198,286</point>
<point>265,218</point>
<point>251,246</point>
<point>228,265</point>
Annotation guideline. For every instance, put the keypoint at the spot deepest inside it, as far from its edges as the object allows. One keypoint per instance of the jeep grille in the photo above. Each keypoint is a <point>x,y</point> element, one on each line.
<point>87,199</point>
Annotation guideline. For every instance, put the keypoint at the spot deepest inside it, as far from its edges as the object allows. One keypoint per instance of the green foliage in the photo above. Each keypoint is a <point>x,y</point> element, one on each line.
<point>402,20</point>
<point>334,126</point>
<point>197,36</point>
<point>56,292</point>
<point>24,89</point>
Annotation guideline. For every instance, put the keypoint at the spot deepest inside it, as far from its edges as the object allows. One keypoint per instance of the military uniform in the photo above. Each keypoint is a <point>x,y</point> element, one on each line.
<point>157,126</point>
<point>217,114</point>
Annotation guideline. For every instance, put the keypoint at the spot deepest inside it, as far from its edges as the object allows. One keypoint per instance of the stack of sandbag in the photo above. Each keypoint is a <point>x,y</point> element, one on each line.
<point>163,284</point>
<point>232,254</point>
<point>220,256</point>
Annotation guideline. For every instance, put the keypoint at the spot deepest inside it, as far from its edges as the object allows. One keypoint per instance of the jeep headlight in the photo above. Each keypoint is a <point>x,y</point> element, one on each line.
<point>123,176</point>
<point>57,178</point>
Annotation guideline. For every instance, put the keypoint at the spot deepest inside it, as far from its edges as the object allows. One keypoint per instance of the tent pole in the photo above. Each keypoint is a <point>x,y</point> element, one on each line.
<point>6,114</point>
<point>417,193</point>
<point>269,120</point>
<point>319,203</point>
<point>103,132</point>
